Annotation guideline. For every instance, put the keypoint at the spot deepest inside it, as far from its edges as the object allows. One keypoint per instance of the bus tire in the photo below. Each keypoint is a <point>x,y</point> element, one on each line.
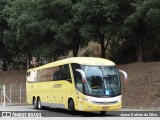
<point>39,106</point>
<point>33,99</point>
<point>71,107</point>
<point>34,103</point>
<point>103,113</point>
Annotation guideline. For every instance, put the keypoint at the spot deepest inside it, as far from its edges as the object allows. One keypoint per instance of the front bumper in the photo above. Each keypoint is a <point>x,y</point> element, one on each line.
<point>87,106</point>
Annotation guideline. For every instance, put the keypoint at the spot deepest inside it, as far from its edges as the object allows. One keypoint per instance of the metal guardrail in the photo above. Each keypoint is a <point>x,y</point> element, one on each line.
<point>4,97</point>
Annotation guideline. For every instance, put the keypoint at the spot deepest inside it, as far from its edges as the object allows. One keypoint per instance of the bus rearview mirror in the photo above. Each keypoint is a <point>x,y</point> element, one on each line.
<point>125,76</point>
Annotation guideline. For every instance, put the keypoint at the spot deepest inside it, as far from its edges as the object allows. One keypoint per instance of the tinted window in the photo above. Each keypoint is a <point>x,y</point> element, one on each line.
<point>78,81</point>
<point>75,66</point>
<point>62,73</point>
<point>77,77</point>
<point>27,74</point>
<point>55,73</point>
<point>45,75</point>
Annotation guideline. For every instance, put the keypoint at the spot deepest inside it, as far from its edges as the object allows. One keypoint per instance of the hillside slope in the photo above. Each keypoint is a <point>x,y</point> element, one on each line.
<point>142,89</point>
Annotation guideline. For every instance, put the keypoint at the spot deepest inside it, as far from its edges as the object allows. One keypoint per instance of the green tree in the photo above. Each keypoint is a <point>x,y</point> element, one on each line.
<point>141,28</point>
<point>103,20</point>
<point>54,16</point>
<point>17,16</point>
<point>70,36</point>
<point>35,23</point>
<point>5,52</point>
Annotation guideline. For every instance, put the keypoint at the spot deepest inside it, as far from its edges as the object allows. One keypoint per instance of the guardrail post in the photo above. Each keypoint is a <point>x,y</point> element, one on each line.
<point>4,95</point>
<point>20,92</point>
<point>11,92</point>
<point>1,93</point>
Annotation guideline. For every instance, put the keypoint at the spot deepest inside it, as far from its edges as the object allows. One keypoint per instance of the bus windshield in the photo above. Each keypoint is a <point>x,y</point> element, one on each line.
<point>101,81</point>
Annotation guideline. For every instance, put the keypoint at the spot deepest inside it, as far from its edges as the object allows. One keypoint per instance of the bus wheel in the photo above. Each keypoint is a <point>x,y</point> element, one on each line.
<point>34,103</point>
<point>103,112</point>
<point>39,104</point>
<point>71,107</point>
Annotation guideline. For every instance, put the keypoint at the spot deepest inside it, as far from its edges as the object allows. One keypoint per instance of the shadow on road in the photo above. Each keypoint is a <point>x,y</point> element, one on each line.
<point>63,112</point>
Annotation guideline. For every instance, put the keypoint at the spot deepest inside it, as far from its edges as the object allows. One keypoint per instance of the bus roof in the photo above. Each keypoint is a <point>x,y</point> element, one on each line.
<point>79,60</point>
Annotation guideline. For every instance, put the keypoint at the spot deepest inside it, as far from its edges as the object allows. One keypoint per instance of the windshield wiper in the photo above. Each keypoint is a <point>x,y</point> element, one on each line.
<point>106,79</point>
<point>110,87</point>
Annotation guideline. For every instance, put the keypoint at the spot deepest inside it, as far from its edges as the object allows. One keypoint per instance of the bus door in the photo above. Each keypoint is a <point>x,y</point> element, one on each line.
<point>79,87</point>
<point>82,87</point>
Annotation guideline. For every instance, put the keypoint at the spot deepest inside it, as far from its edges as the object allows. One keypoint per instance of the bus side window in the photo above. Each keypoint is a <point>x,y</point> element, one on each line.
<point>75,66</point>
<point>62,73</point>
<point>56,74</point>
<point>65,73</point>
<point>31,76</point>
<point>78,81</point>
<point>28,74</point>
<point>77,77</point>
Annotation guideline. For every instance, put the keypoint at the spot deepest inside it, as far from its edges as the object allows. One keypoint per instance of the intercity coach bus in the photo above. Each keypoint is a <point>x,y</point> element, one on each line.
<point>76,84</point>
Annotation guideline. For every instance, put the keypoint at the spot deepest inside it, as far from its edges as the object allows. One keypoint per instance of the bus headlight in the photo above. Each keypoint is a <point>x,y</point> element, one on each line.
<point>119,99</point>
<point>87,99</point>
<point>90,100</point>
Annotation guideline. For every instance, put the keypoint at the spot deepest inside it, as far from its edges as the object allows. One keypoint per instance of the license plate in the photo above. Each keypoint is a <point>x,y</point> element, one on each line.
<point>105,108</point>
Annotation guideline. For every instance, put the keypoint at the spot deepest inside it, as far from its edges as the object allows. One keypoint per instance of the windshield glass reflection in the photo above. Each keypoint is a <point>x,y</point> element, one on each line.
<point>101,81</point>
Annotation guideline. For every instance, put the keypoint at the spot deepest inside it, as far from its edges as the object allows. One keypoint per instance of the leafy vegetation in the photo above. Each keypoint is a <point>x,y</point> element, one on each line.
<point>47,29</point>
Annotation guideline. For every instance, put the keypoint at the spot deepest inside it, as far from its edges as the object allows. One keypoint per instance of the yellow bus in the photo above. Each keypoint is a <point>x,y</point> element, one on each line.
<point>76,84</point>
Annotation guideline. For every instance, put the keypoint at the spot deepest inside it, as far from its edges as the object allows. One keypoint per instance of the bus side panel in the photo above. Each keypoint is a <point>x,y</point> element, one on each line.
<point>28,94</point>
<point>39,89</point>
<point>61,92</point>
<point>55,92</point>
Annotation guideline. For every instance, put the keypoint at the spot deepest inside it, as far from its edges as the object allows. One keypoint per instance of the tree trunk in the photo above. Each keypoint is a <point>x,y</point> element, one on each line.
<point>140,55</point>
<point>4,65</point>
<point>102,46</point>
<point>108,40</point>
<point>75,51</point>
<point>8,65</point>
<point>139,52</point>
<point>28,56</point>
<point>76,48</point>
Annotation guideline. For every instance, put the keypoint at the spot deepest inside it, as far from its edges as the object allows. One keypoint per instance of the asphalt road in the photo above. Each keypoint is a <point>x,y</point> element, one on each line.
<point>65,113</point>
<point>50,111</point>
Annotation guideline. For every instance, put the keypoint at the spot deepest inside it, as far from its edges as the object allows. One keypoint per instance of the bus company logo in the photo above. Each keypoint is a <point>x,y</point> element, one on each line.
<point>6,114</point>
<point>57,86</point>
